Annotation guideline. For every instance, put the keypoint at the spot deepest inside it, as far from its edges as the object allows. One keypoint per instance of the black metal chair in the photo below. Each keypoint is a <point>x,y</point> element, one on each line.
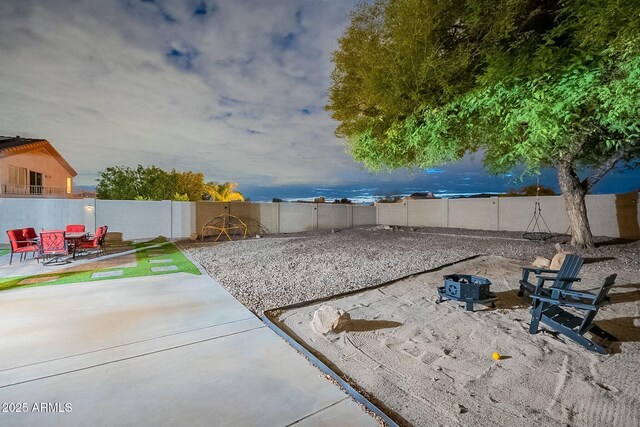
<point>563,278</point>
<point>550,310</point>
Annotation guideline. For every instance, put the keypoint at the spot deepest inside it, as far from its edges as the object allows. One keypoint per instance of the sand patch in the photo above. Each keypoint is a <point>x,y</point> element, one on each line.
<point>123,261</point>
<point>431,363</point>
<point>36,280</point>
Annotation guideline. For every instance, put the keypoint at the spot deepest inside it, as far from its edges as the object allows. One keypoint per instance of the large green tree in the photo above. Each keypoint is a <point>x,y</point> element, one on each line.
<point>149,183</point>
<point>537,83</point>
<point>189,184</point>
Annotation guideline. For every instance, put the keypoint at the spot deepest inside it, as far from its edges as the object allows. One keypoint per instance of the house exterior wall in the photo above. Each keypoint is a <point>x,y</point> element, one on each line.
<point>53,173</point>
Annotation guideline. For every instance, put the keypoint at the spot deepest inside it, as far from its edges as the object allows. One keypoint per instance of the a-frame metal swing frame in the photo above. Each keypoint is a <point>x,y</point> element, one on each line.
<point>535,230</point>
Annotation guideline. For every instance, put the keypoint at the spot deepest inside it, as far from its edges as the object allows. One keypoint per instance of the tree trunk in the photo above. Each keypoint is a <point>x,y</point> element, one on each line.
<point>574,192</point>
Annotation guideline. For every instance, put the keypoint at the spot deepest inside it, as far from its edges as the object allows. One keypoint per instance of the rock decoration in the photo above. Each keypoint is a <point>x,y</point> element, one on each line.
<point>555,263</point>
<point>541,262</point>
<point>558,258</point>
<point>329,319</point>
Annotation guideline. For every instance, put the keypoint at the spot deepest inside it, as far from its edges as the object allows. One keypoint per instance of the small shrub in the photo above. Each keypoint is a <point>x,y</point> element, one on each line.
<point>389,199</point>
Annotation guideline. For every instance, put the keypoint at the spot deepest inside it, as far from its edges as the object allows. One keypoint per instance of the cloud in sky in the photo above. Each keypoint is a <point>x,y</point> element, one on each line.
<point>231,88</point>
<point>235,89</point>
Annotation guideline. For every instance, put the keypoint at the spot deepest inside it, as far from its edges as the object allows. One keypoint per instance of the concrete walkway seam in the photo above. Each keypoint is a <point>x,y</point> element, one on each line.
<point>130,357</point>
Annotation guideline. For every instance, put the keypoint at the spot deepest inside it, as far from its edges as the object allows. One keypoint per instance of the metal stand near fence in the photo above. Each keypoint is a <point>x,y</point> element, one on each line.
<point>534,230</point>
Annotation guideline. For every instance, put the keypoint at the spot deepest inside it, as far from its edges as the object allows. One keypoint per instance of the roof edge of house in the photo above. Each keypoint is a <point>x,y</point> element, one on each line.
<point>39,143</point>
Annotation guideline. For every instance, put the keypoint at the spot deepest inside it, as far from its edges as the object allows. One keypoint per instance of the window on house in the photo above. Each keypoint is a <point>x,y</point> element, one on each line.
<point>35,182</point>
<point>17,175</point>
<point>69,186</point>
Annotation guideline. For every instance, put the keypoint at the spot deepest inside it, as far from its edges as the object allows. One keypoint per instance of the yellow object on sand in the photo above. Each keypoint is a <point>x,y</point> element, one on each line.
<point>496,356</point>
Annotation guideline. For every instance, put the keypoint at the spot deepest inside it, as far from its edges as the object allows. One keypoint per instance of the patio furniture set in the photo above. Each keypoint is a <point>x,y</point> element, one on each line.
<point>568,312</point>
<point>56,246</point>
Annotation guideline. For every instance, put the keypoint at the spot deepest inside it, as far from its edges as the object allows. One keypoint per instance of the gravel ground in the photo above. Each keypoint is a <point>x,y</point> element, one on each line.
<point>279,270</point>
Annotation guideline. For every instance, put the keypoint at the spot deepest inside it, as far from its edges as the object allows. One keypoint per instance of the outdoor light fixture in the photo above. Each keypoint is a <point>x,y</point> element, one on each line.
<point>91,210</point>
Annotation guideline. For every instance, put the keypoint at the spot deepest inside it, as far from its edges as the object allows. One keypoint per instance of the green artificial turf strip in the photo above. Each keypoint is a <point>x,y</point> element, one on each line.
<point>4,251</point>
<point>143,268</point>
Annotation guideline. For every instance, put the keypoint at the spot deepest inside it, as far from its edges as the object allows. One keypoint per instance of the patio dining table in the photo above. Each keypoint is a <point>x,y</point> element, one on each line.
<point>75,237</point>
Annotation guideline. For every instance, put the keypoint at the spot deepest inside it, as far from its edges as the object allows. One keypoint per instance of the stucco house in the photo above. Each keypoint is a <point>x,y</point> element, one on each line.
<point>421,196</point>
<point>33,168</point>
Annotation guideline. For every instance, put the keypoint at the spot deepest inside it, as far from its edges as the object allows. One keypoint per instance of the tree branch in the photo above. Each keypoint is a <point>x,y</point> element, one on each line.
<point>599,173</point>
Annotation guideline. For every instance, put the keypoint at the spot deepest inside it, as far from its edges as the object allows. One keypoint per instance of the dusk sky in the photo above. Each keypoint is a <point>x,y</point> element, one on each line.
<point>234,89</point>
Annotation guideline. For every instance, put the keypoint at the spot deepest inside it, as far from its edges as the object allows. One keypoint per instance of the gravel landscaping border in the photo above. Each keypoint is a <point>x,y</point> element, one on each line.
<point>280,270</point>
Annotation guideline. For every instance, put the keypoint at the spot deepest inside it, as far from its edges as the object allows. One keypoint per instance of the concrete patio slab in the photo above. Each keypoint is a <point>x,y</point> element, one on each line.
<point>158,350</point>
<point>102,274</point>
<point>339,414</point>
<point>56,366</point>
<point>49,322</point>
<point>160,261</point>
<point>164,268</point>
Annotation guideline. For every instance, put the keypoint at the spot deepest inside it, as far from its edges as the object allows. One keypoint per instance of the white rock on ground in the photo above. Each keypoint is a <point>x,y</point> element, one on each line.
<point>557,260</point>
<point>541,262</point>
<point>328,319</point>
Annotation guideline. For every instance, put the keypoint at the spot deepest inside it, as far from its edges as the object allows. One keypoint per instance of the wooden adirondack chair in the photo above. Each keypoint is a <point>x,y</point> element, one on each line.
<point>549,310</point>
<point>563,278</point>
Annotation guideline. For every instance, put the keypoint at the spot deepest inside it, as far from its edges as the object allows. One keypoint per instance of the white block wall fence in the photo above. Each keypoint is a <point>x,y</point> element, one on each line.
<point>148,219</point>
<point>614,215</point>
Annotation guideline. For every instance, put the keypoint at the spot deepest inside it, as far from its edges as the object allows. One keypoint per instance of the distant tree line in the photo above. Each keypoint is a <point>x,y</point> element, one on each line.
<point>390,199</point>
<point>531,190</point>
<point>343,201</point>
<point>153,183</point>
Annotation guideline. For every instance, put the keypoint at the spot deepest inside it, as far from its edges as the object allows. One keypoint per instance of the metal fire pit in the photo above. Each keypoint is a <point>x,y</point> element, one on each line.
<point>466,288</point>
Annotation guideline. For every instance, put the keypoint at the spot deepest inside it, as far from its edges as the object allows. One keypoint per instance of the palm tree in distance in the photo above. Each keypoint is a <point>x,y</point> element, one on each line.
<point>223,192</point>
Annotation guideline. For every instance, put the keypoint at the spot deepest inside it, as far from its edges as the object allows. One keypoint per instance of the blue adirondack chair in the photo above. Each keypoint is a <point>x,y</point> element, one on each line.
<point>549,309</point>
<point>563,278</point>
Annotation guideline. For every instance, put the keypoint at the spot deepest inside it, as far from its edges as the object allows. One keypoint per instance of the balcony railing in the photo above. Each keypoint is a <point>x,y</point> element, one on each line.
<point>32,190</point>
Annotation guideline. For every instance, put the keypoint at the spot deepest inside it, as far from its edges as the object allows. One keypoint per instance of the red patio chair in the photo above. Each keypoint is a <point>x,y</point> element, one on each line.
<point>75,228</point>
<point>30,234</point>
<point>54,246</point>
<point>96,243</point>
<point>104,237</point>
<point>19,245</point>
<point>105,228</point>
<point>90,236</point>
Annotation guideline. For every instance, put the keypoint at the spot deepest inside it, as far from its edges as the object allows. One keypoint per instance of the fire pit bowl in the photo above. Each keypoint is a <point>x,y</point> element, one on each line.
<point>467,288</point>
